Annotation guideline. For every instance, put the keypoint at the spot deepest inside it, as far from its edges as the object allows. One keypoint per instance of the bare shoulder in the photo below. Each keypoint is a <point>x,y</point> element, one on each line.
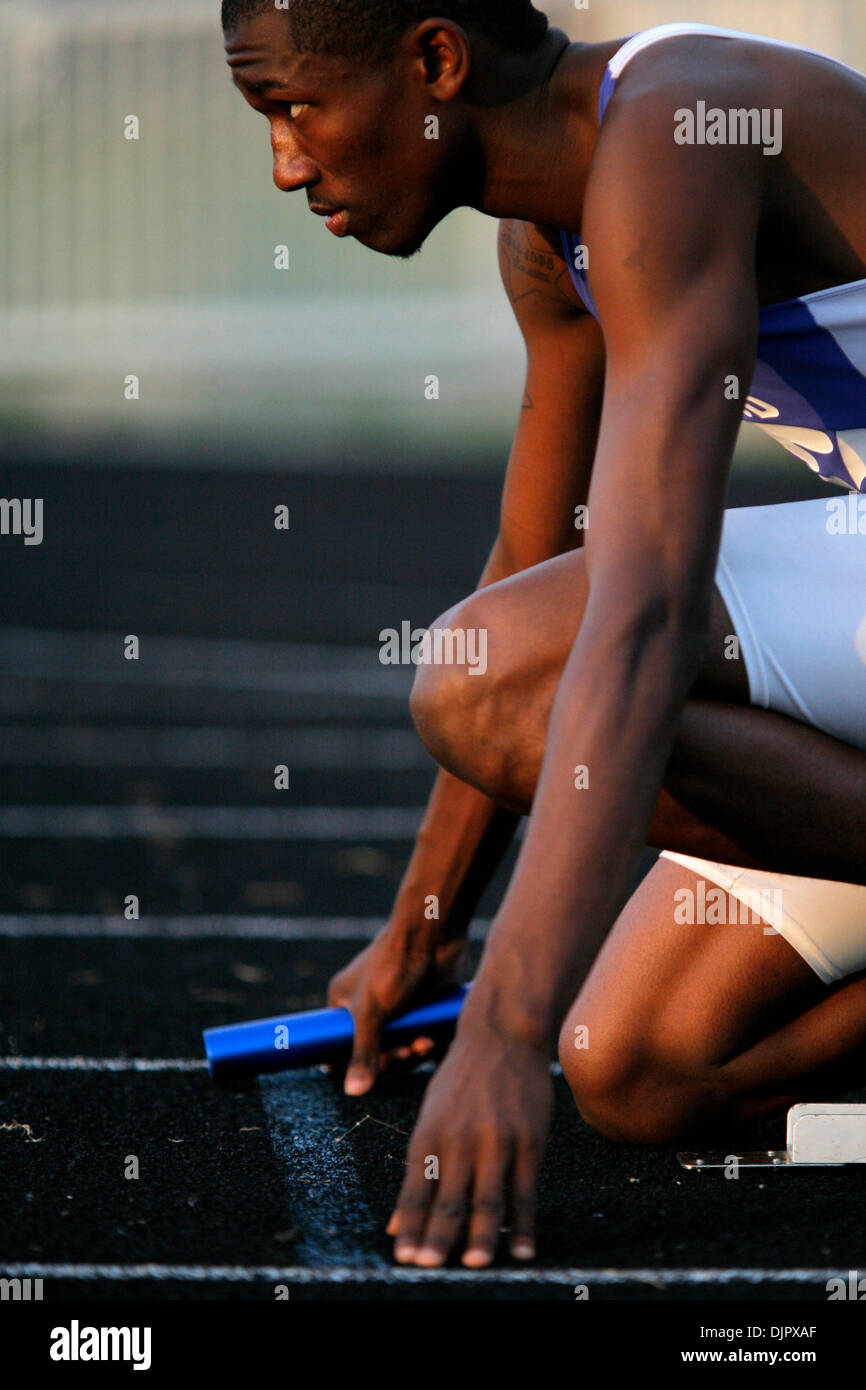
<point>535,273</point>
<point>661,198</point>
<point>662,101</point>
<point>719,71</point>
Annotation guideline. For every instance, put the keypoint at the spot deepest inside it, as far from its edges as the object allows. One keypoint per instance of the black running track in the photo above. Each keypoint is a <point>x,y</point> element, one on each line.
<point>155,779</point>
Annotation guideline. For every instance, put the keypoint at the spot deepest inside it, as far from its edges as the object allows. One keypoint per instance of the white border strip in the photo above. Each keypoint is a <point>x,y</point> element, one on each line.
<point>347,1274</point>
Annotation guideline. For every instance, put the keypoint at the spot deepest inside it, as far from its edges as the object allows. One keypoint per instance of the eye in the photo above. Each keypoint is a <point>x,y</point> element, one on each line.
<point>295,108</point>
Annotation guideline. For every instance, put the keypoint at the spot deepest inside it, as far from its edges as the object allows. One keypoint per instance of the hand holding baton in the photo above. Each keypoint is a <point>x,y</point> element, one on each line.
<point>322,1035</point>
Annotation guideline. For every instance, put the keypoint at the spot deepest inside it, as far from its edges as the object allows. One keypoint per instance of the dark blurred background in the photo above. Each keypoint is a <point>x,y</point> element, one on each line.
<point>257,388</point>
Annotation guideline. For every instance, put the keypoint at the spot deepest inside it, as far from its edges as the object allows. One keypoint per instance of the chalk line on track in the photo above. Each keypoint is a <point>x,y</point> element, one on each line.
<point>322,1182</point>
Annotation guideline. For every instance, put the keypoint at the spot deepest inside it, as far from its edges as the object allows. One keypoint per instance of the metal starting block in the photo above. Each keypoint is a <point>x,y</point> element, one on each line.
<point>820,1133</point>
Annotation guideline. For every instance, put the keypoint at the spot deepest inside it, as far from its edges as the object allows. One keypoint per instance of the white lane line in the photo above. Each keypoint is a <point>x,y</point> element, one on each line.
<point>300,748</point>
<point>204,663</point>
<point>211,822</point>
<point>119,1064</point>
<point>26,698</point>
<point>179,1064</point>
<point>251,928</point>
<point>396,1274</point>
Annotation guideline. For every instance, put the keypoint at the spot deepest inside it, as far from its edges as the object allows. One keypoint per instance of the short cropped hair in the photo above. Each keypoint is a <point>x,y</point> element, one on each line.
<point>372,29</point>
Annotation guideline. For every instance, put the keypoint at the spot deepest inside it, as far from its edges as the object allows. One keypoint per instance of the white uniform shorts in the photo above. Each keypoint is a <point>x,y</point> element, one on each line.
<point>793,578</point>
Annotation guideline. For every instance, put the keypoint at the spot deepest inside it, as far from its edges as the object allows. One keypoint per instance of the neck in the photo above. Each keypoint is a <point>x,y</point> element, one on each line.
<point>531,120</point>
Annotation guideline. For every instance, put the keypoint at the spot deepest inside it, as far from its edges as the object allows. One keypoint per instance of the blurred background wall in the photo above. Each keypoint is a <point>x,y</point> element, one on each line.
<point>156,256</point>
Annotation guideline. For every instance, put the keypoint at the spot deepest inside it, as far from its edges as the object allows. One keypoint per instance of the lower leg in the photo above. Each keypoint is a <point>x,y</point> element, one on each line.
<point>749,787</point>
<point>819,1055</point>
<point>696,1031</point>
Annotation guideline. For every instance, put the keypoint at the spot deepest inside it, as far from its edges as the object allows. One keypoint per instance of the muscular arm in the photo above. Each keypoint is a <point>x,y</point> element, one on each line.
<point>672,273</point>
<point>554,444</point>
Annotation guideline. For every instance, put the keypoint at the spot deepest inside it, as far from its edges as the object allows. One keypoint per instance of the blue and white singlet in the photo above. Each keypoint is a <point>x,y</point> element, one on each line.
<point>809,386</point>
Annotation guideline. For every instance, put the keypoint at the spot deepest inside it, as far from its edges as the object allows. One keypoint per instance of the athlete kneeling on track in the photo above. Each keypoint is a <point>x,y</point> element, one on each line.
<point>683,241</point>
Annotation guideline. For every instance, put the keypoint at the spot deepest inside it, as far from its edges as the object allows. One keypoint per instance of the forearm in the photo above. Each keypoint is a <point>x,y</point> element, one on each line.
<point>461,842</point>
<point>624,687</point>
<point>463,836</point>
<point>603,767</point>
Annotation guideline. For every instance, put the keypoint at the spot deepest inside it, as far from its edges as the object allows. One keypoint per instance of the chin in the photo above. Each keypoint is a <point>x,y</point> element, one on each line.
<point>401,243</point>
<point>408,247</point>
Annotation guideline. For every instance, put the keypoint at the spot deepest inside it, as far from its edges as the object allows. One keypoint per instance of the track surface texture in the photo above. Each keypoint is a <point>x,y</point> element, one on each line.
<point>155,778</point>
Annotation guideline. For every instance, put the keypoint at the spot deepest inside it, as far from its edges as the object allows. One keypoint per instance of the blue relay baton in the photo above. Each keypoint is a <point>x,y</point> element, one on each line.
<point>321,1035</point>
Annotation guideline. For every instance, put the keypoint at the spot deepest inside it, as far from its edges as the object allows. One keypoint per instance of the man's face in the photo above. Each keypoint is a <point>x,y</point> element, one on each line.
<point>352,137</point>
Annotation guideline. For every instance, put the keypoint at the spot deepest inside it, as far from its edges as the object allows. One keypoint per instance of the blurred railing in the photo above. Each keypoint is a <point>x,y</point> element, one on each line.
<point>156,256</point>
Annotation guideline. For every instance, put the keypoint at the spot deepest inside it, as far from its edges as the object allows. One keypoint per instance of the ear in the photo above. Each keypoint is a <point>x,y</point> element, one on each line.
<point>441,54</point>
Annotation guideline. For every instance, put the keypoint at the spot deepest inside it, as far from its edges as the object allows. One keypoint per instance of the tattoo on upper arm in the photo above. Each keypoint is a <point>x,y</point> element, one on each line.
<point>637,261</point>
<point>529,266</point>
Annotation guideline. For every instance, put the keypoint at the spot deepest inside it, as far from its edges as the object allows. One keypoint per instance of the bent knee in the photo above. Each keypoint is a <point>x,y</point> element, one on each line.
<point>451,701</point>
<point>628,1094</point>
<point>603,1080</point>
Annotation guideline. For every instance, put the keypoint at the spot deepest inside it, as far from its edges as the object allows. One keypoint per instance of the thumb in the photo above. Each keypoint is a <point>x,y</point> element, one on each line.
<point>364,1062</point>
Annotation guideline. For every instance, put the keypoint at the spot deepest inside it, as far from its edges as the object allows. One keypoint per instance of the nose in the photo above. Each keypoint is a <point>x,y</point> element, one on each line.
<point>290,175</point>
<point>292,169</point>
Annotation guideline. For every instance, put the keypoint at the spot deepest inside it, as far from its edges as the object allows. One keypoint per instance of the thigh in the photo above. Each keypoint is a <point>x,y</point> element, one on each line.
<point>533,618</point>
